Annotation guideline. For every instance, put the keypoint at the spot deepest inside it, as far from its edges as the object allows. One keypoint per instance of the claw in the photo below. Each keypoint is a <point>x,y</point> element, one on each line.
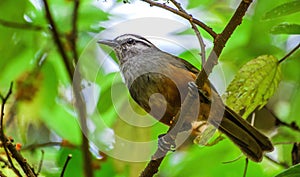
<point>166,143</point>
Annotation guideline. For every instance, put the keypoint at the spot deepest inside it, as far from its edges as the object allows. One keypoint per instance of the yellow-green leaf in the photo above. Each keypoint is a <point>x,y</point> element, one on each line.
<point>253,85</point>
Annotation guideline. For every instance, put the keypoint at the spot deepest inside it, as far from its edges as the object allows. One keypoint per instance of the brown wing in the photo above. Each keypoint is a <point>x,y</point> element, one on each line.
<point>184,64</point>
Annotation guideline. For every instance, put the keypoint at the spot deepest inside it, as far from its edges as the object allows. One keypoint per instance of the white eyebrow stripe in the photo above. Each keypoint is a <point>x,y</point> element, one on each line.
<point>134,37</point>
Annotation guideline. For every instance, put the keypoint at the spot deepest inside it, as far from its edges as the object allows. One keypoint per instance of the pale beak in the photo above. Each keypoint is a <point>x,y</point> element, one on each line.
<point>110,43</point>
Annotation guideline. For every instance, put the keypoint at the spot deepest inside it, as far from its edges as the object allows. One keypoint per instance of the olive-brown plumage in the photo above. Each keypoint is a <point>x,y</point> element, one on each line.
<point>158,82</point>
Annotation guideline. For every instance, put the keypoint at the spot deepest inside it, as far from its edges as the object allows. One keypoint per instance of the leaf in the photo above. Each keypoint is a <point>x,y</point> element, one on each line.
<point>286,29</point>
<point>89,18</point>
<point>253,85</point>
<point>63,122</point>
<point>283,10</point>
<point>192,56</point>
<point>293,171</point>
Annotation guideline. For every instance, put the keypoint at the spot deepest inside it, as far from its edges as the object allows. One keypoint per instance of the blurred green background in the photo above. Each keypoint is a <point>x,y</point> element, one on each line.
<point>41,107</point>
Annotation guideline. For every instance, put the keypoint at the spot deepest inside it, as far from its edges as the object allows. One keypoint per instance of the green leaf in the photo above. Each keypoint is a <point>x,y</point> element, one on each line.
<point>89,18</point>
<point>286,29</point>
<point>293,171</point>
<point>63,122</point>
<point>253,85</point>
<point>195,4</point>
<point>283,10</point>
<point>192,56</point>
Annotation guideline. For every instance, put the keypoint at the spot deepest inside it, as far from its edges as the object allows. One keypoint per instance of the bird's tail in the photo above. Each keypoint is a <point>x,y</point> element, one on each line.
<point>251,142</point>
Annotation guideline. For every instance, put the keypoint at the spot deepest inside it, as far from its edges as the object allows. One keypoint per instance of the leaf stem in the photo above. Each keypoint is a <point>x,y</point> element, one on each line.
<point>290,53</point>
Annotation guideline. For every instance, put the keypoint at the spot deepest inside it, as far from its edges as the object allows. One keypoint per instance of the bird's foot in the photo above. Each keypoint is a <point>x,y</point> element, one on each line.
<point>166,142</point>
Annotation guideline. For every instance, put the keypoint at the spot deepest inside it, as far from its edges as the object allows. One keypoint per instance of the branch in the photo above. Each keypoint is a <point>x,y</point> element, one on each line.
<point>28,170</point>
<point>296,153</point>
<point>79,101</point>
<point>221,40</point>
<point>152,167</point>
<point>65,165</point>
<point>7,144</point>
<point>35,146</point>
<point>197,32</point>
<point>63,143</point>
<point>57,40</point>
<point>41,163</point>
<point>290,53</point>
<point>219,43</point>
<point>279,122</point>
<point>4,140</point>
<point>185,116</point>
<point>26,26</point>
<point>74,30</point>
<point>246,167</point>
<point>81,109</point>
<point>183,15</point>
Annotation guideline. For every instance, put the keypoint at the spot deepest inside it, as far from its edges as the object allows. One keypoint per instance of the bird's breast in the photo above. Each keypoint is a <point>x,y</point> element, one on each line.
<point>157,86</point>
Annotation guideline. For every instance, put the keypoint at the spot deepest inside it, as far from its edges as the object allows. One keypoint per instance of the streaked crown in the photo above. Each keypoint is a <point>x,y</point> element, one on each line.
<point>128,45</point>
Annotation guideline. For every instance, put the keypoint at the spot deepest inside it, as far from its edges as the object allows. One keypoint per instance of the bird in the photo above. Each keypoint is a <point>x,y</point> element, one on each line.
<point>159,82</point>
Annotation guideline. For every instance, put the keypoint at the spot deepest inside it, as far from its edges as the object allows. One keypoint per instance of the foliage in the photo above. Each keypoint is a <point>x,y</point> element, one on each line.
<point>292,171</point>
<point>253,85</point>
<point>41,109</point>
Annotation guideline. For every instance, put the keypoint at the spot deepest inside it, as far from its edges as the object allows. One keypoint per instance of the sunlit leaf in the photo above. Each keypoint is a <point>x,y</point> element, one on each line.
<point>283,10</point>
<point>291,172</point>
<point>253,85</point>
<point>286,29</point>
<point>62,122</point>
<point>90,17</point>
<point>56,115</point>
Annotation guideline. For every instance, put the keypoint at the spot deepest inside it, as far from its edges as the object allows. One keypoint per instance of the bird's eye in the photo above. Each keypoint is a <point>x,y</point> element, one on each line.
<point>130,41</point>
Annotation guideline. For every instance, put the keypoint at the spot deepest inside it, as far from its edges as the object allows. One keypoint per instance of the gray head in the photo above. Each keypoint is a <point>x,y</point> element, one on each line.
<point>128,45</point>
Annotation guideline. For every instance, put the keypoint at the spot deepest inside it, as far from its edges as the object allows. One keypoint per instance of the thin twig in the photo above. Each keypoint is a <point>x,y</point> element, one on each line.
<point>41,163</point>
<point>290,53</point>
<point>3,137</point>
<point>81,108</point>
<point>65,165</point>
<point>28,170</point>
<point>7,144</point>
<point>79,101</point>
<point>279,122</point>
<point>35,146</point>
<point>23,26</point>
<point>197,32</point>
<point>246,167</point>
<point>57,40</point>
<point>74,30</point>
<point>183,15</point>
<point>221,40</point>
<point>296,153</point>
<point>219,43</point>
<point>234,160</point>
